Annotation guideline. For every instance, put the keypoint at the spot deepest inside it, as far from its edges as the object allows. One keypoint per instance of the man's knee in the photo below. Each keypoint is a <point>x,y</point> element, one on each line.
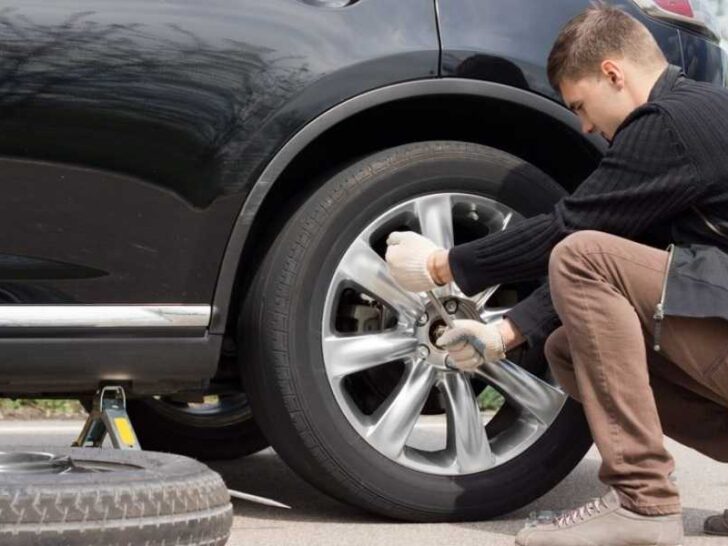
<point>573,246</point>
<point>568,263</point>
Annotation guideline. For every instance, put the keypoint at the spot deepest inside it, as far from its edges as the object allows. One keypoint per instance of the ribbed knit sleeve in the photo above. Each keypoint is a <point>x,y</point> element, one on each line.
<point>535,316</point>
<point>644,177</point>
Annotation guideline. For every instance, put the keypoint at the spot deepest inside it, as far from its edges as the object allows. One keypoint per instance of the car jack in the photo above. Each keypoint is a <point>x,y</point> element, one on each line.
<point>108,415</point>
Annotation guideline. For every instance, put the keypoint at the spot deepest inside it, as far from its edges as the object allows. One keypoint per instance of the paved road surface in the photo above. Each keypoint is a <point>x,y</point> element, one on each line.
<point>317,519</point>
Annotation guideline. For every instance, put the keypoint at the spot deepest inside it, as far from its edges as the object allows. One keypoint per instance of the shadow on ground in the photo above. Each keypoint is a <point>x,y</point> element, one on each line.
<point>267,475</point>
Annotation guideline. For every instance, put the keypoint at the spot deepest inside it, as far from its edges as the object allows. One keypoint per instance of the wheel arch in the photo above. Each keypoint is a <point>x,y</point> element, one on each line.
<point>520,122</point>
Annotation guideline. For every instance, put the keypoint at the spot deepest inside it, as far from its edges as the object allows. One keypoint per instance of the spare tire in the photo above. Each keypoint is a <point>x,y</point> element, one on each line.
<point>77,496</point>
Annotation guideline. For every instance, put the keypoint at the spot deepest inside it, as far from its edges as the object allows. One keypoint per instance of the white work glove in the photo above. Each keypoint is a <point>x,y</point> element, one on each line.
<point>406,256</point>
<point>462,353</point>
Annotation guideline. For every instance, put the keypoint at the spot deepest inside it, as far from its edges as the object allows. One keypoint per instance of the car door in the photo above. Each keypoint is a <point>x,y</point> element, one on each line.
<point>497,41</point>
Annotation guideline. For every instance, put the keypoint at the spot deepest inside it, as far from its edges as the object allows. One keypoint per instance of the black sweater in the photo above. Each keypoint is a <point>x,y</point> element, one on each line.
<point>646,177</point>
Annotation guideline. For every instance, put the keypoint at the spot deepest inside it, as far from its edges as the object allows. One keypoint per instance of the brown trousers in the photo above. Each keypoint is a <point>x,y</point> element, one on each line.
<point>604,289</point>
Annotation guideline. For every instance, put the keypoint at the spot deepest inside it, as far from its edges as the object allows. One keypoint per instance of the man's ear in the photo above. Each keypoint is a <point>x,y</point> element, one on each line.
<point>613,72</point>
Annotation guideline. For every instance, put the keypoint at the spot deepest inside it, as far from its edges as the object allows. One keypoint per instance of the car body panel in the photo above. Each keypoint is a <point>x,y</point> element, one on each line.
<point>131,132</point>
<point>499,41</point>
<point>703,60</point>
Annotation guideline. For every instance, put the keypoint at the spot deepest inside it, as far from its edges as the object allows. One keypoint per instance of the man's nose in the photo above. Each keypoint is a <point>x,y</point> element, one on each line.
<point>587,127</point>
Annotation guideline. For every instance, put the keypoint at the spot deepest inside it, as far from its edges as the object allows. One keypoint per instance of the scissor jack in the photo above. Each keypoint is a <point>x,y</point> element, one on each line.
<point>108,415</point>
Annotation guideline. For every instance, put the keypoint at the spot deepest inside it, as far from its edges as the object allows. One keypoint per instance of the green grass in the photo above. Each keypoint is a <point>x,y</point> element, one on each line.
<point>39,408</point>
<point>490,399</point>
<point>47,408</point>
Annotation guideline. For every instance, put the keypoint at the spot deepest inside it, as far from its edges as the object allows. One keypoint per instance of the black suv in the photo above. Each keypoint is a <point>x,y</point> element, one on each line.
<point>196,198</point>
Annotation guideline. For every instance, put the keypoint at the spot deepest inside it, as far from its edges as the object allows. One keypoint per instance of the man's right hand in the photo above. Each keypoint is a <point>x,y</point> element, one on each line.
<point>459,341</point>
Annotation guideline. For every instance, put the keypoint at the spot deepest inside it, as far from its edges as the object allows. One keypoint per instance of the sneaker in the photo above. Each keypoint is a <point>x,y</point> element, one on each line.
<point>604,522</point>
<point>717,525</point>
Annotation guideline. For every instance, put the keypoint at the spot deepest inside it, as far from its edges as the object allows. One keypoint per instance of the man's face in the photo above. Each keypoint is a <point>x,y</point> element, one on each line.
<point>600,102</point>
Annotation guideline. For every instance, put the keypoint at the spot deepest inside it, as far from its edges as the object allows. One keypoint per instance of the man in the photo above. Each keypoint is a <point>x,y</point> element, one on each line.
<point>662,183</point>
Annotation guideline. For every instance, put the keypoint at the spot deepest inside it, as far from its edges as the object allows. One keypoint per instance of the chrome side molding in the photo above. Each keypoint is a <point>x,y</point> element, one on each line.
<point>104,316</point>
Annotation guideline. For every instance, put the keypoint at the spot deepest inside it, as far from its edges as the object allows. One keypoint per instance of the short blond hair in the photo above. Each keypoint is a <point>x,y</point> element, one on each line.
<point>596,33</point>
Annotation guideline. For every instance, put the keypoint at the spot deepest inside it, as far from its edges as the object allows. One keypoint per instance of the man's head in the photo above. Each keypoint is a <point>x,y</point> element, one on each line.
<point>604,63</point>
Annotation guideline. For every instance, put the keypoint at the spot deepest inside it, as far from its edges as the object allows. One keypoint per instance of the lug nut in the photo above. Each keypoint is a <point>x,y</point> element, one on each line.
<point>451,306</point>
<point>423,319</point>
<point>423,352</point>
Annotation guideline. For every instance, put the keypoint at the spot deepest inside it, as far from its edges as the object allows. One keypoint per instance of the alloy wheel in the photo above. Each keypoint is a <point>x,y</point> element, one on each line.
<point>385,370</point>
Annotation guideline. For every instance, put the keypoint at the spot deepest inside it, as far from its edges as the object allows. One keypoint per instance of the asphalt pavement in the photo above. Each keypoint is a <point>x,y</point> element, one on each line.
<point>317,519</point>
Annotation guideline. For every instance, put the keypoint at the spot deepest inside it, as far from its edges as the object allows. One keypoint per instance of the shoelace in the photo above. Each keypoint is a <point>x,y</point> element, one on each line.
<point>569,517</point>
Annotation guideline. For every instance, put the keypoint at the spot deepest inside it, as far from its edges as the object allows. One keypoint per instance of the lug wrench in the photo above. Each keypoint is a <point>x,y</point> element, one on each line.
<point>440,309</point>
<point>476,343</point>
<point>506,376</point>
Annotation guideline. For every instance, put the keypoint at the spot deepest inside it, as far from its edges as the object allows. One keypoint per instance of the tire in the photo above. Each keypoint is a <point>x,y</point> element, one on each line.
<point>216,433</point>
<point>142,497</point>
<point>282,329</point>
